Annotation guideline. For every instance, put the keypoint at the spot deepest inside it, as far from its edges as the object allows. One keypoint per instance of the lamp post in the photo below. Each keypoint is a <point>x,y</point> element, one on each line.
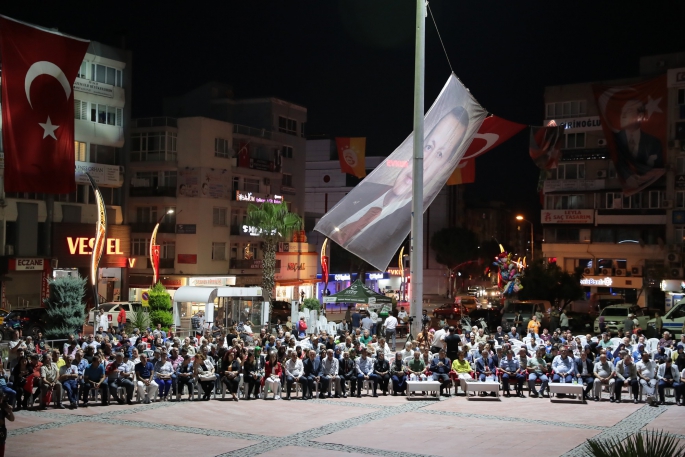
<point>532,237</point>
<point>154,248</point>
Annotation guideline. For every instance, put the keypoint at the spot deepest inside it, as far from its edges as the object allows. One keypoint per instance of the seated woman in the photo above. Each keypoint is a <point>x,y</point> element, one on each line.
<point>461,370</point>
<point>163,372</point>
<point>398,375</point>
<point>231,374</point>
<point>185,375</point>
<point>204,372</point>
<point>251,376</point>
<point>272,376</point>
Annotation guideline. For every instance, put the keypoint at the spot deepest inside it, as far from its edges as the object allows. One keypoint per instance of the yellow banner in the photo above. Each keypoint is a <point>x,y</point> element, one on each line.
<point>352,156</point>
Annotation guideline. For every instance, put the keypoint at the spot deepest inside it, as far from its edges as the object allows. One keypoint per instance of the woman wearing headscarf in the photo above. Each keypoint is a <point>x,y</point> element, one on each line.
<point>398,375</point>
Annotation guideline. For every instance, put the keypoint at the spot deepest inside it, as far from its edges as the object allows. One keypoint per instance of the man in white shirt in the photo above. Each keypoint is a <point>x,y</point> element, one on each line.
<point>402,314</point>
<point>390,325</point>
<point>646,371</point>
<point>294,371</point>
<point>438,340</point>
<point>374,318</point>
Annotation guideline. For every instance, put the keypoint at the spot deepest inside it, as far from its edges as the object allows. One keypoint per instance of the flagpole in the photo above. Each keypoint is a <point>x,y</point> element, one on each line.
<point>416,270</point>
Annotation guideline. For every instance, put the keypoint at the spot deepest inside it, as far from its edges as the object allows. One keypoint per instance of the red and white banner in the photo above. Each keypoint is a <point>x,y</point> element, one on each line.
<point>39,67</point>
<point>545,146</point>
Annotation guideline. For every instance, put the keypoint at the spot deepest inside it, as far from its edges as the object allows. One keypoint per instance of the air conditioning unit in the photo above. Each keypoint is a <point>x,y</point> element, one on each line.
<point>589,271</point>
<point>602,174</point>
<point>667,204</point>
<point>676,273</point>
<point>267,182</point>
<point>673,257</point>
<point>601,142</point>
<point>620,272</point>
<point>607,271</point>
<point>636,271</point>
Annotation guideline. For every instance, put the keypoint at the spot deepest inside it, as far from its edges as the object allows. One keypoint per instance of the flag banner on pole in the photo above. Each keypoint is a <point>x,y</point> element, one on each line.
<point>375,217</point>
<point>39,67</point>
<point>634,123</point>
<point>545,146</point>
<point>492,132</point>
<point>352,156</point>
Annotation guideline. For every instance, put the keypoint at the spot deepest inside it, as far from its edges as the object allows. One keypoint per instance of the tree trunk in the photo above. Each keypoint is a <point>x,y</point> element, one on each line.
<point>269,269</point>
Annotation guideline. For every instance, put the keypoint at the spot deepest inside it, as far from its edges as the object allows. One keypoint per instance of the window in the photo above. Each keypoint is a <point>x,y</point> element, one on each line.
<point>251,184</point>
<point>107,155</point>
<point>575,140</point>
<point>286,125</point>
<point>287,152</point>
<point>153,147</point>
<point>680,235</point>
<point>631,202</point>
<point>614,200</point>
<point>141,246</point>
<point>79,151</point>
<point>250,251</point>
<point>655,199</point>
<point>219,216</point>
<point>568,234</point>
<point>169,178</point>
<point>80,110</point>
<point>221,148</point>
<point>628,235</point>
<point>287,180</point>
<point>302,124</point>
<point>146,214</point>
<point>681,103</point>
<point>602,235</point>
<point>571,171</point>
<point>218,251</point>
<point>103,114</point>
<point>82,70</point>
<point>611,170</point>
<point>680,198</point>
<point>565,202</point>
<point>106,75</point>
<point>168,250</point>
<point>146,179</point>
<point>566,109</point>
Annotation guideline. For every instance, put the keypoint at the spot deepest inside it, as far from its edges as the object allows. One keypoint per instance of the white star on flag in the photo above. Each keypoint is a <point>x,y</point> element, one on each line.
<point>652,106</point>
<point>49,129</point>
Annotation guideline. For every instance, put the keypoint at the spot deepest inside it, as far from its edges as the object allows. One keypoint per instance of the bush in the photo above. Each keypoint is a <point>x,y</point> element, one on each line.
<point>311,304</point>
<point>66,311</point>
<point>160,307</point>
<point>138,318</point>
<point>644,444</point>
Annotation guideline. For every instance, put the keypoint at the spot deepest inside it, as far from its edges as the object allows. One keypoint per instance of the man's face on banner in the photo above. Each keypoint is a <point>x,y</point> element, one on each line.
<point>438,148</point>
<point>632,115</point>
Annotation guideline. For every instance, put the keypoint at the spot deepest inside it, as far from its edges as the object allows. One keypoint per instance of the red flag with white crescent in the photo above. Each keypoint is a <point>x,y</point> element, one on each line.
<point>39,67</point>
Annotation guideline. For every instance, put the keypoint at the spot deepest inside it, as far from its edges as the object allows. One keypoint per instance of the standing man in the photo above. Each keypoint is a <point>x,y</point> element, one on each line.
<point>121,318</point>
<point>356,319</point>
<point>628,325</point>
<point>563,320</point>
<point>390,325</point>
<point>367,323</point>
<point>452,342</point>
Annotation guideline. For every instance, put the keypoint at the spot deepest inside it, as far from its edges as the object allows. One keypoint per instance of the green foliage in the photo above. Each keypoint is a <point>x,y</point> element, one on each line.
<point>454,245</point>
<point>644,444</point>
<point>311,304</point>
<point>66,311</point>
<point>160,307</point>
<point>550,282</point>
<point>138,318</point>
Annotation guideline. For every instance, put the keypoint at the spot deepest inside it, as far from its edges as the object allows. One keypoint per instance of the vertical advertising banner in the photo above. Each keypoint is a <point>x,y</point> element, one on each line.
<point>352,156</point>
<point>634,122</point>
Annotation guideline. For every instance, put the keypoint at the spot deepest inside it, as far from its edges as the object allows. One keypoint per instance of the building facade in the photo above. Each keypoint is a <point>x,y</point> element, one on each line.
<point>43,236</point>
<point>625,245</point>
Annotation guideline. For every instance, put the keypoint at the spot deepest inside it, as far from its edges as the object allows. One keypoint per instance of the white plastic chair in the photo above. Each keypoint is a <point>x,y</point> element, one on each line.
<point>652,345</point>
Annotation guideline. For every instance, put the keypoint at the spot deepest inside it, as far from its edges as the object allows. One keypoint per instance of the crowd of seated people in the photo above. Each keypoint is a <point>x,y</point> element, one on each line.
<point>155,365</point>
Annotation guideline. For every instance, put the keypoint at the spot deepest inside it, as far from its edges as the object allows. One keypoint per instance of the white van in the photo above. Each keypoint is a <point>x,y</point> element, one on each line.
<point>672,321</point>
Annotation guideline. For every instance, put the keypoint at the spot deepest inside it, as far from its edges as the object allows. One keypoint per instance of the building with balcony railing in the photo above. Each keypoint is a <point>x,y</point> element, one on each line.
<point>625,244</point>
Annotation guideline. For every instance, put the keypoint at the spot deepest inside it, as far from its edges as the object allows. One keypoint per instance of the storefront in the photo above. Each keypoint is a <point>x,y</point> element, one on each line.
<point>630,288</point>
<point>296,276</point>
<point>380,282</point>
<point>218,305</point>
<point>139,284</point>
<point>72,247</point>
<point>27,282</point>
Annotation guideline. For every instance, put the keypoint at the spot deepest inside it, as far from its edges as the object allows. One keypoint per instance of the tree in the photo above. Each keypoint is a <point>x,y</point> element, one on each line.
<point>160,306</point>
<point>551,283</point>
<point>273,222</point>
<point>454,246</point>
<point>66,310</point>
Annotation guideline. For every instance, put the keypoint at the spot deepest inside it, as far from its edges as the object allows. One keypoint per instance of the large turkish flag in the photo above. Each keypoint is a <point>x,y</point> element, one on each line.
<point>38,71</point>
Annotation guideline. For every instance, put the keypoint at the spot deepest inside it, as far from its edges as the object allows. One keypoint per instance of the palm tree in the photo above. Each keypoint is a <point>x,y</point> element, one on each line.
<point>273,222</point>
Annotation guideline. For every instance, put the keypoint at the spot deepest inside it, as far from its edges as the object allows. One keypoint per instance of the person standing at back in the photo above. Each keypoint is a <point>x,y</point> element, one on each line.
<point>356,319</point>
<point>452,341</point>
<point>390,325</point>
<point>628,325</point>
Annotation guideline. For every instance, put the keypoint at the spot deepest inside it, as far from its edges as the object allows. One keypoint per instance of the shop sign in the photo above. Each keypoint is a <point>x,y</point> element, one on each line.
<point>187,258</point>
<point>577,124</point>
<point>396,271</point>
<point>255,197</point>
<point>375,276</point>
<point>29,264</point>
<point>676,77</point>
<point>186,229</point>
<point>73,244</point>
<point>84,246</point>
<point>342,277</point>
<point>601,282</point>
<point>104,175</point>
<point>294,266</point>
<point>93,87</point>
<point>568,216</point>
<point>217,281</point>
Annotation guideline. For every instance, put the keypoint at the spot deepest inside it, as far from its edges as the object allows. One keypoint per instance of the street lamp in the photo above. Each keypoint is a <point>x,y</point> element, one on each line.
<point>154,248</point>
<point>532,237</point>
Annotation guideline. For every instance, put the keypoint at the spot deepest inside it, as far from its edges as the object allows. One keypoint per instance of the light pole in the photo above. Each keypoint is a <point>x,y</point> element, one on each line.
<point>532,237</point>
<point>154,249</point>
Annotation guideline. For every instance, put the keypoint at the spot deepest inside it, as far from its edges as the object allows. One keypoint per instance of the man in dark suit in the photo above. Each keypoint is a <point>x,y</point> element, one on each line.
<point>585,369</point>
<point>312,372</point>
<point>638,152</point>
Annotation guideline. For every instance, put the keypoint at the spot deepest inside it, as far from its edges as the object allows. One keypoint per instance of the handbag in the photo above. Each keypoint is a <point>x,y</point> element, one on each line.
<point>206,376</point>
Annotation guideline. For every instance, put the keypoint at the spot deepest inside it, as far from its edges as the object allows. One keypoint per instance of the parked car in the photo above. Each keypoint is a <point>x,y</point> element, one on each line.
<point>671,322</point>
<point>450,311</point>
<point>527,309</point>
<point>3,313</point>
<point>468,302</point>
<point>112,311</point>
<point>614,315</point>
<point>32,320</point>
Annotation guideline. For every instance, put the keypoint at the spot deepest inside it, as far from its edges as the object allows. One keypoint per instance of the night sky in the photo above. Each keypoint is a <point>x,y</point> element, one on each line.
<point>350,62</point>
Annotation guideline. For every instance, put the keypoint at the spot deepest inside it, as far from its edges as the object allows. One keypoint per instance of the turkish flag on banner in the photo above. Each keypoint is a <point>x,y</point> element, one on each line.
<point>492,132</point>
<point>352,156</point>
<point>38,71</point>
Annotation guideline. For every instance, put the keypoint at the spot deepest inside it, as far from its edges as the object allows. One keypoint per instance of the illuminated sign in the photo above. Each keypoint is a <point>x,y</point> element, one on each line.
<point>257,198</point>
<point>605,282</point>
<point>295,266</point>
<point>342,277</point>
<point>375,275</point>
<point>212,281</point>
<point>131,262</point>
<point>254,231</point>
<point>84,246</point>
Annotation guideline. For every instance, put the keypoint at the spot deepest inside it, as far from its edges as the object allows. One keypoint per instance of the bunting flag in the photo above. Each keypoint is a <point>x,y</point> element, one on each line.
<point>352,156</point>
<point>493,132</point>
<point>545,146</point>
<point>634,119</point>
<point>374,219</point>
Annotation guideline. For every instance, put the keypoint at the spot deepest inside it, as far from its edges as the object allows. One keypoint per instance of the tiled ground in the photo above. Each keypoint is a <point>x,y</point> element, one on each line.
<point>384,426</point>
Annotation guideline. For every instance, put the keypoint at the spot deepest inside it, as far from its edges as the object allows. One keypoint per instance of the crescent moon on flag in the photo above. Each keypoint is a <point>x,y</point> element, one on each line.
<point>45,68</point>
<point>490,139</point>
<point>603,100</point>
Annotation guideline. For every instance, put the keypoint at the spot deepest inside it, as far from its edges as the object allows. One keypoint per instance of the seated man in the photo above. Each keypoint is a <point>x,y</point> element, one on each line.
<point>564,367</point>
<point>513,334</point>
<point>147,387</point>
<point>440,366</point>
<point>668,376</point>
<point>94,378</point>
<point>348,372</point>
<point>511,370</point>
<point>381,374</point>
<point>294,372</point>
<point>626,373</point>
<point>537,369</point>
<point>416,368</point>
<point>486,369</point>
<point>123,379</point>
<point>604,376</point>
<point>646,373</point>
<point>330,372</point>
<point>313,373</point>
<point>364,370</point>
<point>68,376</point>
<point>585,373</point>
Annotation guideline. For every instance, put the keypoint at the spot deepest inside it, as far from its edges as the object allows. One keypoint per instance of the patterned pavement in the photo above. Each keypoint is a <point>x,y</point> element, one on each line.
<point>384,426</point>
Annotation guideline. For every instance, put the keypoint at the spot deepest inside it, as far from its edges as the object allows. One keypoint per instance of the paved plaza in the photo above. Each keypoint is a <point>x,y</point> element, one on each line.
<point>384,426</point>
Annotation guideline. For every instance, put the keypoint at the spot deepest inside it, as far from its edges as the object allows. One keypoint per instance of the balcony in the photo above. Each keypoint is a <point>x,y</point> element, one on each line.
<point>154,122</point>
<point>556,185</point>
<point>251,131</point>
<point>148,227</point>
<point>152,192</point>
<point>163,263</point>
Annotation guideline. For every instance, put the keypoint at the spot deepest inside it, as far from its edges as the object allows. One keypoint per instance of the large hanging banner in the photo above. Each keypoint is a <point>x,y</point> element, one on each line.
<point>375,217</point>
<point>634,122</point>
